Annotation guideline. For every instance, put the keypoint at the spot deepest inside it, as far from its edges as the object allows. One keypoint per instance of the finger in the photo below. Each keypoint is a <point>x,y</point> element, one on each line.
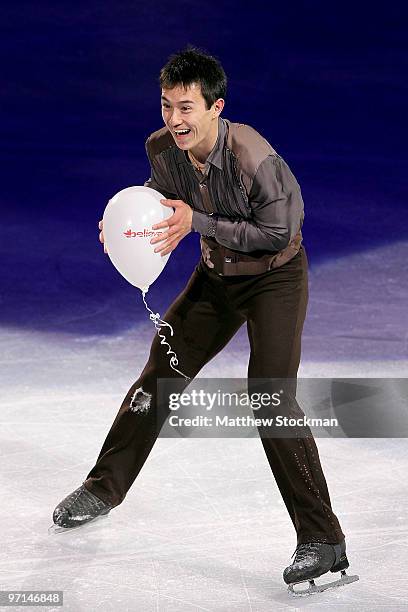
<point>105,250</point>
<point>171,244</point>
<point>101,237</point>
<point>174,230</point>
<point>169,249</point>
<point>168,242</point>
<point>159,239</point>
<point>167,202</point>
<point>162,224</point>
<point>100,225</point>
<point>163,236</point>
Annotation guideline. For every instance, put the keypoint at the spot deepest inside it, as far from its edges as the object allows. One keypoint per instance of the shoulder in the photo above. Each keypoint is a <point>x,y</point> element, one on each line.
<point>248,145</point>
<point>159,141</point>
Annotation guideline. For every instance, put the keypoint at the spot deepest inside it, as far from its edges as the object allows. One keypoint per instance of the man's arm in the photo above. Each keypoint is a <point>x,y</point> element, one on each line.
<point>159,179</point>
<point>177,225</point>
<point>277,207</point>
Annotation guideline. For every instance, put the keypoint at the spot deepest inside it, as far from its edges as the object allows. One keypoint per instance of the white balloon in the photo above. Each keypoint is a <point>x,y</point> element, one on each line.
<point>127,230</point>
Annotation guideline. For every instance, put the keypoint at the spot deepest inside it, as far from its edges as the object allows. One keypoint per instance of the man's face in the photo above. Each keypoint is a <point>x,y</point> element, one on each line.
<point>185,109</point>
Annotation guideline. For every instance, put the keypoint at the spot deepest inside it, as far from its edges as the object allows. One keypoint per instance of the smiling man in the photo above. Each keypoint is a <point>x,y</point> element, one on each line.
<point>195,130</point>
<point>227,183</point>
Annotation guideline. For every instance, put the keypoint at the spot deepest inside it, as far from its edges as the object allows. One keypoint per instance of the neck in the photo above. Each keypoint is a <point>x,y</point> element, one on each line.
<point>204,148</point>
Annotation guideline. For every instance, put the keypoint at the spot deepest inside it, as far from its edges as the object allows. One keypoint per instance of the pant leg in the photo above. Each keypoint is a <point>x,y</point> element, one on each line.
<point>203,324</point>
<point>276,315</point>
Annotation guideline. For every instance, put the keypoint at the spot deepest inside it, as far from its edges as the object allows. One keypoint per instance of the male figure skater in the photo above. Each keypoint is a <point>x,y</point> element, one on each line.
<point>226,182</point>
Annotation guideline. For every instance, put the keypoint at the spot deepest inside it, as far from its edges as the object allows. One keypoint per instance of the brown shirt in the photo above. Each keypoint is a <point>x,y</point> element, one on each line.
<point>247,199</point>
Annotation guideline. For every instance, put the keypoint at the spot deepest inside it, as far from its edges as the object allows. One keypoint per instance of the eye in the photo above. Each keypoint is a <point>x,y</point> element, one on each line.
<point>183,108</point>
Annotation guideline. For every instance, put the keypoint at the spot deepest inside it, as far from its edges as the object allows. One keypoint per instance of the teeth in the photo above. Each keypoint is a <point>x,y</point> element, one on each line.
<point>182,131</point>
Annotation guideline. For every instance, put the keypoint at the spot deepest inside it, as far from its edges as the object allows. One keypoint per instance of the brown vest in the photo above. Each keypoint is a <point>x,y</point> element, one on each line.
<point>228,262</point>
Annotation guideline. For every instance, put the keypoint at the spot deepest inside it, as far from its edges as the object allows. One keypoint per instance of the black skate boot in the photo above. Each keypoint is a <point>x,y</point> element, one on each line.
<point>78,508</point>
<point>314,559</point>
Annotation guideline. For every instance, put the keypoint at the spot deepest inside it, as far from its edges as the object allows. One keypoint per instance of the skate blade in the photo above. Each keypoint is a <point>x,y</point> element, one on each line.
<point>319,588</point>
<point>56,529</point>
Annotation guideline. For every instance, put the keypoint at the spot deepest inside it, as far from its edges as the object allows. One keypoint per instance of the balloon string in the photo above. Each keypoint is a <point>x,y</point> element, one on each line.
<point>158,323</point>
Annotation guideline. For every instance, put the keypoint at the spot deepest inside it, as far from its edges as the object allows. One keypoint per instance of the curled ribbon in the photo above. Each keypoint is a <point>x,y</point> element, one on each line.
<point>159,323</point>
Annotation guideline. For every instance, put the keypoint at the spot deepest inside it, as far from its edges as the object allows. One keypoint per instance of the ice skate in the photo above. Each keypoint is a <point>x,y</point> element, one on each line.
<point>311,561</point>
<point>76,509</point>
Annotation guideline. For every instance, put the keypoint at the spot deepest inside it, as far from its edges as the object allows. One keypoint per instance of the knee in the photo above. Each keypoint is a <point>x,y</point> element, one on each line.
<point>140,400</point>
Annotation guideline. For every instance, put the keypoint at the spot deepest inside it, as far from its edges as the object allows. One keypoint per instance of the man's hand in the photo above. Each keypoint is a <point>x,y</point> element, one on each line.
<point>101,238</point>
<point>179,225</point>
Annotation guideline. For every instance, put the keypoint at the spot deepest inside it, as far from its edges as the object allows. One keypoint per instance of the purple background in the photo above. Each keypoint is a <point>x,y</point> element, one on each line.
<point>326,86</point>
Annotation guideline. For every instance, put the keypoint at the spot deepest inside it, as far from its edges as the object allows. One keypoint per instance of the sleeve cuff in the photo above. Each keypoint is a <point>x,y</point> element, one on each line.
<point>205,225</point>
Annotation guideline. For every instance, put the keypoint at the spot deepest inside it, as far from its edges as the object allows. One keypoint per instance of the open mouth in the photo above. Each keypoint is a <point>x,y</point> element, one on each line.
<point>181,134</point>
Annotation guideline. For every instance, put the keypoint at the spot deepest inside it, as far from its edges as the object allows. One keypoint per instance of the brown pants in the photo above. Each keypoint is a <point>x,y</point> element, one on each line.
<point>205,316</point>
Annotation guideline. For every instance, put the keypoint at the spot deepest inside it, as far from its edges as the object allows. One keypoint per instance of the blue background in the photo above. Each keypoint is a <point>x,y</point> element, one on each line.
<point>324,83</point>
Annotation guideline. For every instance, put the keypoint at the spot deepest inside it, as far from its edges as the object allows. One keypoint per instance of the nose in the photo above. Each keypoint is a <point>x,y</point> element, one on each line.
<point>175,119</point>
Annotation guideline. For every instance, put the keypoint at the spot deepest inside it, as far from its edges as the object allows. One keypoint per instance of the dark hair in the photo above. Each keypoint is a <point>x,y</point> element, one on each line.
<point>194,65</point>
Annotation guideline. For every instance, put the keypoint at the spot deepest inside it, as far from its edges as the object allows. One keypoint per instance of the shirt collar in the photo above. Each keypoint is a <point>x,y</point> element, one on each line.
<point>215,157</point>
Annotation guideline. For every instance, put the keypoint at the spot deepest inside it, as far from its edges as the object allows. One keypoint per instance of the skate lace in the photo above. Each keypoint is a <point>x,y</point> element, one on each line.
<point>303,550</point>
<point>83,501</point>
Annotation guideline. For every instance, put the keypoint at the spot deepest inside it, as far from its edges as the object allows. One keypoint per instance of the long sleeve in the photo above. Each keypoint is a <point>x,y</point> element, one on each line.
<point>160,179</point>
<point>277,212</point>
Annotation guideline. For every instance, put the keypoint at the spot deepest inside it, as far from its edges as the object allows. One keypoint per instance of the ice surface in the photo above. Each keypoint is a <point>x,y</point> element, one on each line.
<point>203,527</point>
